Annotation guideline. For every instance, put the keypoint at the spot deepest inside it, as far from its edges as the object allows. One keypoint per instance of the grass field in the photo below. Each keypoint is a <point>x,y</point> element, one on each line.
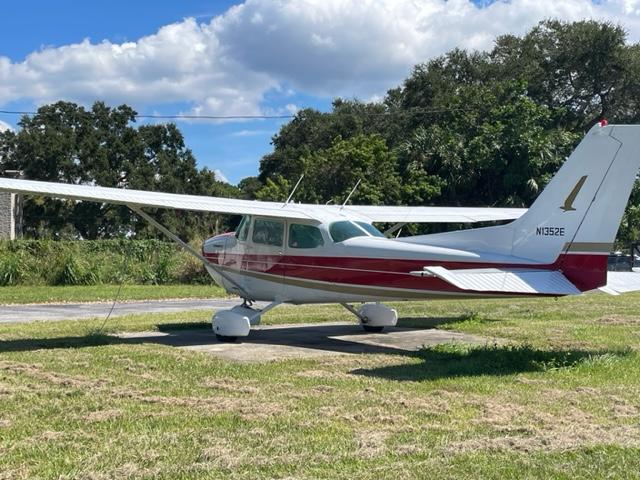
<point>554,393</point>
<point>104,293</point>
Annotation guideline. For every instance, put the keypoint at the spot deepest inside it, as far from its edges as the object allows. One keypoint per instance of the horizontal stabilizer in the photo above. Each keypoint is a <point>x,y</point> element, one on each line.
<point>518,281</point>
<point>622,282</point>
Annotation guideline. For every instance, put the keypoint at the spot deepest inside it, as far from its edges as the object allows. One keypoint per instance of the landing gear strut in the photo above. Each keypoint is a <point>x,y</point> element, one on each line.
<point>374,316</point>
<point>236,322</point>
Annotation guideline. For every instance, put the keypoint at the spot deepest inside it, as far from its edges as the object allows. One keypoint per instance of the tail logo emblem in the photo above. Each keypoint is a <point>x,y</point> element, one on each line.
<point>568,202</point>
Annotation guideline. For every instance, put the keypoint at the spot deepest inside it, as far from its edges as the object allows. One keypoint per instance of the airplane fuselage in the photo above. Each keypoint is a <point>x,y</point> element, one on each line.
<point>362,268</point>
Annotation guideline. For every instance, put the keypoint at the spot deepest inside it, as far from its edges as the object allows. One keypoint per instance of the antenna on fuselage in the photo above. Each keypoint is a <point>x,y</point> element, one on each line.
<point>350,193</point>
<point>293,191</point>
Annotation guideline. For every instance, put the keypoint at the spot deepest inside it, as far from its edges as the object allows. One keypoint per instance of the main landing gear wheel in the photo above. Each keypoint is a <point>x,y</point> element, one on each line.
<point>372,329</point>
<point>374,317</point>
<point>228,325</point>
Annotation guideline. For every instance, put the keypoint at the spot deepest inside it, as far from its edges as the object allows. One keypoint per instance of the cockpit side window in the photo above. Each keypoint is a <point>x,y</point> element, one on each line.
<point>243,228</point>
<point>268,232</point>
<point>304,236</point>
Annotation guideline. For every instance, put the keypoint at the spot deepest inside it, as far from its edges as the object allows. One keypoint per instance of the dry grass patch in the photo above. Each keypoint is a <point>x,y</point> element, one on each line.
<point>102,415</point>
<point>371,443</point>
<point>54,378</point>
<point>232,385</point>
<point>618,320</point>
<point>516,427</point>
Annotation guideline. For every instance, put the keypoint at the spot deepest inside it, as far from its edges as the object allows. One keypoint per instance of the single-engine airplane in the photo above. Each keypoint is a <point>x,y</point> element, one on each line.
<point>301,253</point>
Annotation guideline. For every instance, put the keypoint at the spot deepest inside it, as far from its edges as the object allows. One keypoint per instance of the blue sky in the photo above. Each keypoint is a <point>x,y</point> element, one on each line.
<point>246,58</point>
<point>233,148</point>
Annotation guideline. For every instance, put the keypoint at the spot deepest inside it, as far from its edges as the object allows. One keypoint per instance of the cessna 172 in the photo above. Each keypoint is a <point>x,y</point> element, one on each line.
<point>301,253</point>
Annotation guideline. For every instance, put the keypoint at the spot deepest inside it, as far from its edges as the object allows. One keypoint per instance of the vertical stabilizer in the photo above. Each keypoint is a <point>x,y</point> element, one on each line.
<point>572,225</point>
<point>581,208</point>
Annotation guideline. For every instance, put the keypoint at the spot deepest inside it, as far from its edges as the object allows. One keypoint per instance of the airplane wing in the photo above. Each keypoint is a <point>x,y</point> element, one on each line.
<point>517,281</point>
<point>398,214</point>
<point>141,198</point>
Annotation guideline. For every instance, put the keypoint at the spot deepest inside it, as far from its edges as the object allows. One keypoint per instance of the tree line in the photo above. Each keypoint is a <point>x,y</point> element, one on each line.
<point>467,128</point>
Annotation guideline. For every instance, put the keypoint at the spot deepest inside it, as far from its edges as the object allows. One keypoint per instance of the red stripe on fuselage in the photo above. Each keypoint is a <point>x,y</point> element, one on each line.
<point>586,271</point>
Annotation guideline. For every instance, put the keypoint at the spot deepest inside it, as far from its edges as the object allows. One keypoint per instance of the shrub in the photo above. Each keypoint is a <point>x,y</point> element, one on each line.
<point>48,262</point>
<point>74,271</point>
<point>10,269</point>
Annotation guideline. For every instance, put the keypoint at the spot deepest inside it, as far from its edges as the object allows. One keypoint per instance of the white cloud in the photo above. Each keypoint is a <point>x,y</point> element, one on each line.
<point>5,126</point>
<point>341,47</point>
<point>321,47</point>
<point>220,176</point>
<point>181,62</point>
<point>251,133</point>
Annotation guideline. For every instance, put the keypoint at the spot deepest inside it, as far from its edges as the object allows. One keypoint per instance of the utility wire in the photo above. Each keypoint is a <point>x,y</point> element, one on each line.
<point>173,116</point>
<point>413,111</point>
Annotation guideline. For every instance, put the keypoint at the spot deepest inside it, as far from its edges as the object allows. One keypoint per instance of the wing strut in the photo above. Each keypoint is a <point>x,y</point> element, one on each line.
<point>394,229</point>
<point>188,248</point>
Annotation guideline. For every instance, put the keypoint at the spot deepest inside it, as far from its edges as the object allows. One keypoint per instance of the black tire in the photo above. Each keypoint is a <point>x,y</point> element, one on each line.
<point>372,329</point>
<point>226,338</point>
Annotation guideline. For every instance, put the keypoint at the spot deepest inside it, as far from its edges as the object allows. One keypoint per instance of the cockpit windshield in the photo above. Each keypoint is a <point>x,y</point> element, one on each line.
<point>346,229</point>
<point>371,230</point>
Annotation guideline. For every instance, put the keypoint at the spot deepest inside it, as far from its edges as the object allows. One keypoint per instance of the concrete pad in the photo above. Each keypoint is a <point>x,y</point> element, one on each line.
<point>267,343</point>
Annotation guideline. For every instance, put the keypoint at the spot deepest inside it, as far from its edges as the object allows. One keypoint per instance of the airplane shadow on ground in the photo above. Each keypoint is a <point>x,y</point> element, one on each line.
<point>493,360</point>
<point>433,363</point>
<point>197,334</point>
<point>435,322</point>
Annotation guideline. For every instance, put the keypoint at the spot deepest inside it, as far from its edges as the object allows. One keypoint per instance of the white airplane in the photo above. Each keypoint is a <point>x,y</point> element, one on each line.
<point>301,253</point>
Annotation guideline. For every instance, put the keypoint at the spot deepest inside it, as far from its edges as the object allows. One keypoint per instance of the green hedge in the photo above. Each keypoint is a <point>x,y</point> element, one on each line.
<point>48,262</point>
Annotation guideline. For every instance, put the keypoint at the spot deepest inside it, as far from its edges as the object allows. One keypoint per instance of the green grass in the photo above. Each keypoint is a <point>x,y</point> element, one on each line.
<point>554,393</point>
<point>104,293</point>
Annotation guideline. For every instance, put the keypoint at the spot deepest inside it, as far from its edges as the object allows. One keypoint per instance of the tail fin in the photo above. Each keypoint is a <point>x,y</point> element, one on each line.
<point>573,223</point>
<point>581,208</point>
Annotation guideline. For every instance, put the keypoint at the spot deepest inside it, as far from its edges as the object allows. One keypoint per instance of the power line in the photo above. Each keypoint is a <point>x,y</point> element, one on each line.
<point>412,111</point>
<point>175,116</point>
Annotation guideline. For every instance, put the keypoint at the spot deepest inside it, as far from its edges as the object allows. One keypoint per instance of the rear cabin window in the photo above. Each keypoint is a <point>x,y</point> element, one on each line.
<point>268,232</point>
<point>243,228</point>
<point>304,236</point>
<point>344,230</point>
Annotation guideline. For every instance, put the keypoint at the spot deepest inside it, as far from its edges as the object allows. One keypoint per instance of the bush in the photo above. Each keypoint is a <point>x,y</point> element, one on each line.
<point>10,269</point>
<point>75,271</point>
<point>48,262</point>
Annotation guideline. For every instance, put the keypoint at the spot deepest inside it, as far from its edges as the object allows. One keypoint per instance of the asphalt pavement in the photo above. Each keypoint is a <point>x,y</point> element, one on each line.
<point>79,311</point>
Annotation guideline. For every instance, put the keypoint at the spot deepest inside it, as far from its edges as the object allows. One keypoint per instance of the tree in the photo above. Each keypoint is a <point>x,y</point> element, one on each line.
<point>501,149</point>
<point>65,142</point>
<point>331,173</point>
<point>311,131</point>
<point>477,128</point>
<point>585,67</point>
